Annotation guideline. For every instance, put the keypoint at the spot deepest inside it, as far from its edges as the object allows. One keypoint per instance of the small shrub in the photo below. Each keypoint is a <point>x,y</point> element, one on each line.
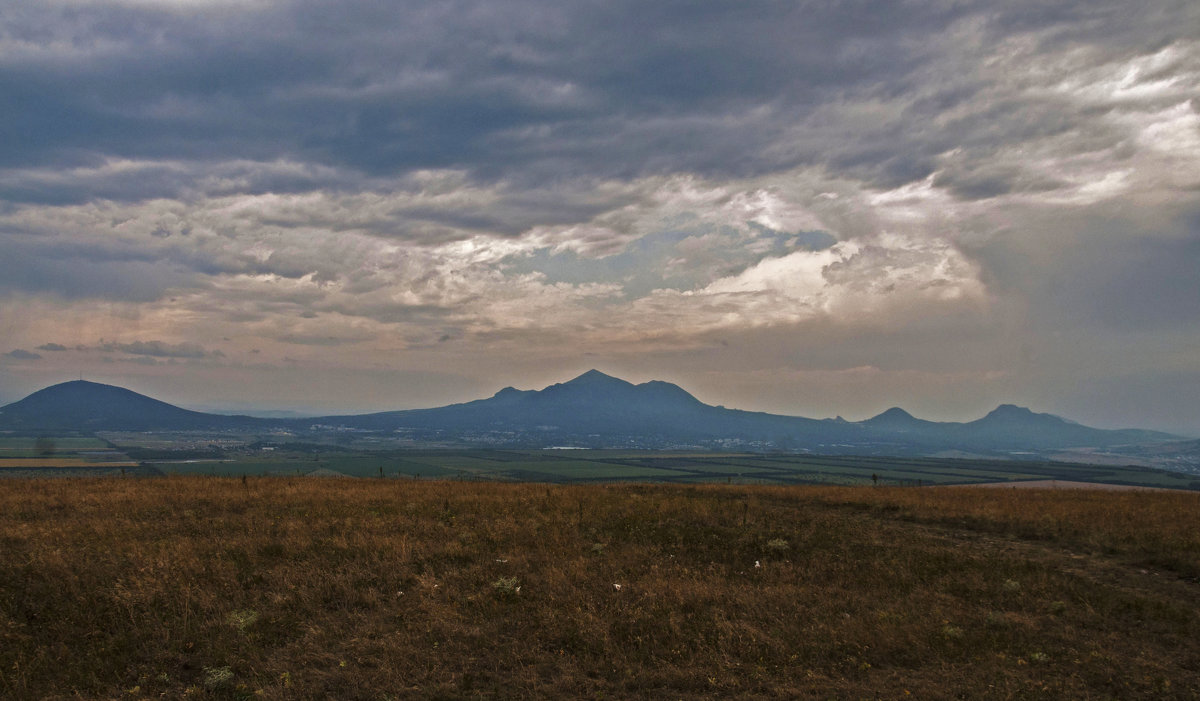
<point>242,619</point>
<point>217,677</point>
<point>777,545</point>
<point>507,587</point>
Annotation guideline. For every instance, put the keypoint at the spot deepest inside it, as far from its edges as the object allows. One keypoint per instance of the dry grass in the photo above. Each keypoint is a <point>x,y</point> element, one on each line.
<point>278,588</point>
<point>1160,529</point>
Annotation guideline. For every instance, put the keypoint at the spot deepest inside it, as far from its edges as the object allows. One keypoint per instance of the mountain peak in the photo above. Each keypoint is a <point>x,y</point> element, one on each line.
<point>77,389</point>
<point>1013,415</point>
<point>895,413</point>
<point>593,376</point>
<point>83,405</point>
<point>509,392</point>
<point>77,385</point>
<point>1010,411</point>
<point>895,418</point>
<point>592,380</point>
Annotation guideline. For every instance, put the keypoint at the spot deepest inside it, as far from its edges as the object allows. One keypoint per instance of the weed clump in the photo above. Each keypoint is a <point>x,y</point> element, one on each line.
<point>242,619</point>
<point>507,587</point>
<point>217,677</point>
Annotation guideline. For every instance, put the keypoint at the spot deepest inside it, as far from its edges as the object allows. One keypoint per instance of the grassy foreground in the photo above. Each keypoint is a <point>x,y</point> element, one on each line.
<point>307,588</point>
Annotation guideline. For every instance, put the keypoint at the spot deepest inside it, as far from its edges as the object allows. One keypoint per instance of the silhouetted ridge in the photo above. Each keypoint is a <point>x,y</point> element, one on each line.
<point>595,378</point>
<point>593,409</point>
<point>83,405</point>
<point>1012,412</point>
<point>666,391</point>
<point>893,416</point>
<point>509,394</point>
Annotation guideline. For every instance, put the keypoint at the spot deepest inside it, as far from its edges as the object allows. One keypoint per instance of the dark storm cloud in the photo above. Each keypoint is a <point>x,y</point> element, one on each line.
<point>1114,268</point>
<point>123,269</point>
<point>1143,285</point>
<point>99,178</point>
<point>70,273</point>
<point>539,87</point>
<point>525,90</point>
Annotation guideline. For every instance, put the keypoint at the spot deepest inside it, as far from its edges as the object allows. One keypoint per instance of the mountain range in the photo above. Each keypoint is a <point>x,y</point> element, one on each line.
<point>592,410</point>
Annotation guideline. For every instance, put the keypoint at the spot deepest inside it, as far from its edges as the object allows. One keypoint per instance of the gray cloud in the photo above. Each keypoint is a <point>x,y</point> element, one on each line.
<point>77,277</point>
<point>317,340</point>
<point>21,354</point>
<point>157,349</point>
<point>1144,285</point>
<point>52,347</point>
<point>537,88</point>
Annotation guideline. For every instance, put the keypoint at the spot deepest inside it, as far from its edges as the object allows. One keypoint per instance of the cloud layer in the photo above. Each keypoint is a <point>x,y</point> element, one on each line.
<point>810,208</point>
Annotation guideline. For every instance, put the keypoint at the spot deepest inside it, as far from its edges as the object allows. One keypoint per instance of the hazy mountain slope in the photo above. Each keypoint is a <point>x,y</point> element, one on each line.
<point>598,405</point>
<point>1009,426</point>
<point>80,405</point>
<point>593,409</point>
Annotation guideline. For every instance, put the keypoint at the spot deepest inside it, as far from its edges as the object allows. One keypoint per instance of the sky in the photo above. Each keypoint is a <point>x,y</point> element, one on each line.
<point>809,208</point>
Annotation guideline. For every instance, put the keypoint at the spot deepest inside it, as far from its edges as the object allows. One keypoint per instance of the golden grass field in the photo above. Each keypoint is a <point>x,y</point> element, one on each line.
<point>386,589</point>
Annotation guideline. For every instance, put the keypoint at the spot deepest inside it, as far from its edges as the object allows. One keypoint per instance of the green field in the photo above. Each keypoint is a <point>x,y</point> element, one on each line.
<point>666,467</point>
<point>26,447</point>
<point>251,455</point>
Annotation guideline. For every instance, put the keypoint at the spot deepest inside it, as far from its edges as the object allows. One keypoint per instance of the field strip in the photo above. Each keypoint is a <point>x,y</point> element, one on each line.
<point>30,463</point>
<point>1067,484</point>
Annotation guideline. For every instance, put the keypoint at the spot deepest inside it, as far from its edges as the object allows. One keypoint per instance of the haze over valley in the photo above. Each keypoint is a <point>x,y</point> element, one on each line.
<point>598,411</point>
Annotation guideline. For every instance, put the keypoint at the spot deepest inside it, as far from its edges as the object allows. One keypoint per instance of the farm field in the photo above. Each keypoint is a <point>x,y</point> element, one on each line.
<point>64,456</point>
<point>27,447</point>
<point>654,466</point>
<point>36,462</point>
<point>234,455</point>
<point>284,588</point>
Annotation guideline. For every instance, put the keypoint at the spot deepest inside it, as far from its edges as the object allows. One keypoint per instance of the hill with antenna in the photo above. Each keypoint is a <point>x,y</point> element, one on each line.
<point>80,405</point>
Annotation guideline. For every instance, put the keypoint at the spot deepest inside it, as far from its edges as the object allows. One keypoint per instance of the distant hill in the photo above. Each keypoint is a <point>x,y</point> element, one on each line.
<point>595,409</point>
<point>80,405</point>
<point>592,410</point>
<point>1045,431</point>
<point>598,410</point>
